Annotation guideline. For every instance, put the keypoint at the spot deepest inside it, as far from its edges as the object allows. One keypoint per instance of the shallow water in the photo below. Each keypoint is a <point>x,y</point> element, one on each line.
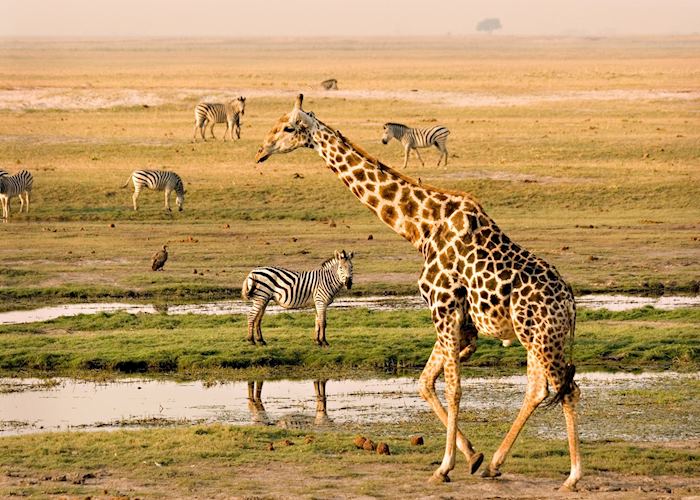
<point>608,409</point>
<point>611,302</point>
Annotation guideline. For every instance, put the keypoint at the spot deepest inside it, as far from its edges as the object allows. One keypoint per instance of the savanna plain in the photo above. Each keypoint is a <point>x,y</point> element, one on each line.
<point>585,151</point>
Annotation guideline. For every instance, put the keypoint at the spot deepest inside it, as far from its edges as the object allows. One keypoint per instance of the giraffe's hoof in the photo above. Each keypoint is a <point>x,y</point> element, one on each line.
<point>475,462</point>
<point>568,488</point>
<point>262,342</point>
<point>439,478</point>
<point>491,473</point>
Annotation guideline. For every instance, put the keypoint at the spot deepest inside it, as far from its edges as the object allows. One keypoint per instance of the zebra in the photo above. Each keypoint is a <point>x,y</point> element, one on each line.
<point>158,180</point>
<point>293,290</point>
<point>20,185</point>
<point>414,138</point>
<point>207,113</point>
<point>3,173</point>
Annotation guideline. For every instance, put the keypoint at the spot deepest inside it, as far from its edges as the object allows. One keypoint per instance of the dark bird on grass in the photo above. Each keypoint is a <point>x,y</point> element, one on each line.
<point>159,259</point>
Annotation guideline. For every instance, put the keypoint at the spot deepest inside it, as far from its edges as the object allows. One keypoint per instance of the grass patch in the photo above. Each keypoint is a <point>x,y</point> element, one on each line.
<point>385,342</point>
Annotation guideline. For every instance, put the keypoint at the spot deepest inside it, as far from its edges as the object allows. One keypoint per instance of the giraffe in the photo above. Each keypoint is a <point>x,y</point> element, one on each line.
<point>475,280</point>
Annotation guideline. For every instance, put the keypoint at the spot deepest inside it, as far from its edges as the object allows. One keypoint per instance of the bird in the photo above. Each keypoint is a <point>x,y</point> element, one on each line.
<point>159,259</point>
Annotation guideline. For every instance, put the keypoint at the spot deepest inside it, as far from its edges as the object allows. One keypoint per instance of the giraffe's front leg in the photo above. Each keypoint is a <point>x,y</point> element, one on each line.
<point>431,372</point>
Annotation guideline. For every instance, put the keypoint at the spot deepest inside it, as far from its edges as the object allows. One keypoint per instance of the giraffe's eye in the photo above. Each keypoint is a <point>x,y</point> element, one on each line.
<point>289,129</point>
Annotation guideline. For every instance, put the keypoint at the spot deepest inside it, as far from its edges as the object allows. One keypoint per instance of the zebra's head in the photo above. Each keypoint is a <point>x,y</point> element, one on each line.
<point>240,104</point>
<point>291,131</point>
<point>390,132</point>
<point>344,267</point>
<point>180,196</point>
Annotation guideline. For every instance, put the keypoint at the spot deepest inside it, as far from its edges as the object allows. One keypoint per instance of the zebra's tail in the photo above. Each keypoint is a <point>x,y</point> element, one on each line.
<point>127,182</point>
<point>247,288</point>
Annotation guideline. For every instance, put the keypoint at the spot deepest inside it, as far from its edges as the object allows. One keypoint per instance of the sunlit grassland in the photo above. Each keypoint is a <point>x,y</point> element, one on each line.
<point>607,190</point>
<point>362,341</point>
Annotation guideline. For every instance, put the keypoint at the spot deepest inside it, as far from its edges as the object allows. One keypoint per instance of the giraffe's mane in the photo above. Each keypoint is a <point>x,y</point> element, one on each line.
<point>381,166</point>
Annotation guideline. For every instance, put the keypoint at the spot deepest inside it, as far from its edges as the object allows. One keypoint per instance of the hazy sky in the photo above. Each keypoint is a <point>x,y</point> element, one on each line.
<point>173,18</point>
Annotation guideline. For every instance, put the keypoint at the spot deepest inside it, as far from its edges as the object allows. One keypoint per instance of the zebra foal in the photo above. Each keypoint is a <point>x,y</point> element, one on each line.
<point>158,180</point>
<point>20,185</point>
<point>293,290</point>
<point>211,113</point>
<point>414,138</point>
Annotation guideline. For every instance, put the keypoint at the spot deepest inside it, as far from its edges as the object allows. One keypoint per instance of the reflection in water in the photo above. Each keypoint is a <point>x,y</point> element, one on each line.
<point>613,406</point>
<point>293,420</point>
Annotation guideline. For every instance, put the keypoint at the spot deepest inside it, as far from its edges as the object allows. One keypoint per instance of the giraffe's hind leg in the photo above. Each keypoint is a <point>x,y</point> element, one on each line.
<point>535,393</point>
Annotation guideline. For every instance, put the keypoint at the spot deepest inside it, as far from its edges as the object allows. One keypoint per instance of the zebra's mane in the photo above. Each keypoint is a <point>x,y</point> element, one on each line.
<point>394,124</point>
<point>328,262</point>
<point>385,168</point>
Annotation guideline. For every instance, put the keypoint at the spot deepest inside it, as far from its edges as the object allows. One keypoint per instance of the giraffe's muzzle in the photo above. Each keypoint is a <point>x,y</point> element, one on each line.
<point>261,156</point>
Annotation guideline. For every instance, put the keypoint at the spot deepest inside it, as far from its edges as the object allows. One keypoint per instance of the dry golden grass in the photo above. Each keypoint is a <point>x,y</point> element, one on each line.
<point>546,170</point>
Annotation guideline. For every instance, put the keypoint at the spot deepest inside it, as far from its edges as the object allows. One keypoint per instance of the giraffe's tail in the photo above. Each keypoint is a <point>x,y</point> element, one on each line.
<point>568,385</point>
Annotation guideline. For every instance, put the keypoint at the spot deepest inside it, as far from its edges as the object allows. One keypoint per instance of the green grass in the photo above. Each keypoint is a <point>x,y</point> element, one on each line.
<point>385,342</point>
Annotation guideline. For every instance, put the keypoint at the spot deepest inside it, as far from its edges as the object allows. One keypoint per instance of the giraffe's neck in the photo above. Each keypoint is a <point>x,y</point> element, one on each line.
<point>409,208</point>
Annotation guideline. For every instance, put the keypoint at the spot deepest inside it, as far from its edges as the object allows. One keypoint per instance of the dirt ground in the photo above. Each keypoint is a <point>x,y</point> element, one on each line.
<point>276,480</point>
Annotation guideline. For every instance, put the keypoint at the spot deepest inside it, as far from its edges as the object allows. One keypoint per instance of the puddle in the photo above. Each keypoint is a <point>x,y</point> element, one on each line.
<point>74,98</point>
<point>611,302</point>
<point>606,412</point>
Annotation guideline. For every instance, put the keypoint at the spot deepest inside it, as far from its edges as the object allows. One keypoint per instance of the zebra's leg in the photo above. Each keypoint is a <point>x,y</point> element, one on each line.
<point>258,321</point>
<point>211,130</point>
<point>21,202</point>
<point>443,153</point>
<point>4,207</point>
<point>238,130</point>
<point>321,324</point>
<point>167,200</point>
<point>26,195</point>
<point>407,151</point>
<point>419,157</point>
<point>135,197</point>
<point>196,126</point>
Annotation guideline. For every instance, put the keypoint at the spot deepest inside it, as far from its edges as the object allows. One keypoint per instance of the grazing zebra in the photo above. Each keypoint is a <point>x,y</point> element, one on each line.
<point>414,138</point>
<point>20,185</point>
<point>292,290</point>
<point>207,113</point>
<point>158,180</point>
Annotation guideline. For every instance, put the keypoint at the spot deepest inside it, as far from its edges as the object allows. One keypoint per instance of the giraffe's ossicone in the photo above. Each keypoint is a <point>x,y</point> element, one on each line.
<point>475,280</point>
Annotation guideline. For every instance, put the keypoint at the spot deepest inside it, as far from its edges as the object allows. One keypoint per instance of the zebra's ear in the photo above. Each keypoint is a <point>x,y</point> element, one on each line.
<point>298,102</point>
<point>351,255</point>
<point>337,254</point>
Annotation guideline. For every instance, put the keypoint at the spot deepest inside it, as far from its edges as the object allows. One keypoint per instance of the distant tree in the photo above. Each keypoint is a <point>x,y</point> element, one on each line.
<point>489,25</point>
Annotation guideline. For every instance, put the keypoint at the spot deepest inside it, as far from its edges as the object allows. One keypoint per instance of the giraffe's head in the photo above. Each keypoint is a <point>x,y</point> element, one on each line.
<point>291,131</point>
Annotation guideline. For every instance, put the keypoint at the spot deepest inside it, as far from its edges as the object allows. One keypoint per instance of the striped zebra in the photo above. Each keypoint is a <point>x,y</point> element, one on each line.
<point>209,114</point>
<point>414,138</point>
<point>158,180</point>
<point>293,290</point>
<point>3,173</point>
<point>20,185</point>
